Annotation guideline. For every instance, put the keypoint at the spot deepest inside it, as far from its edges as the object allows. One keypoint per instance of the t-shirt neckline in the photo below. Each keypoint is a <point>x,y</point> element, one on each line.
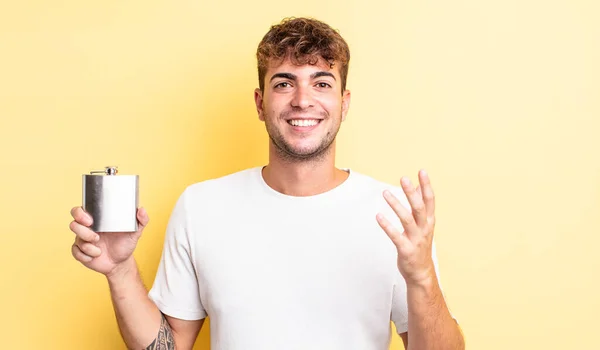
<point>327,194</point>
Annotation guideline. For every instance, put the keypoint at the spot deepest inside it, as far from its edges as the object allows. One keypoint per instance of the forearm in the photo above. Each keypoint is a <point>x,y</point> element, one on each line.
<point>430,325</point>
<point>141,323</point>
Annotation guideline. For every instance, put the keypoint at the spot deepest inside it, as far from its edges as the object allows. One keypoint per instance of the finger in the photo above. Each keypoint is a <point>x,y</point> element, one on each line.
<point>406,218</point>
<point>419,190</point>
<point>428,196</point>
<point>79,255</point>
<point>397,237</point>
<point>88,248</point>
<point>143,218</point>
<point>81,216</point>
<point>84,233</point>
<point>415,201</point>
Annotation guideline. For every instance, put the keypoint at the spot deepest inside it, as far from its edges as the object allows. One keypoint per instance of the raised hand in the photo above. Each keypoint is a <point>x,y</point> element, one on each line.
<point>103,252</point>
<point>414,244</point>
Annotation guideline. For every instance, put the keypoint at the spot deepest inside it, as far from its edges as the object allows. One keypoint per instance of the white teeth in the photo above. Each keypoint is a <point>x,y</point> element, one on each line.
<point>303,122</point>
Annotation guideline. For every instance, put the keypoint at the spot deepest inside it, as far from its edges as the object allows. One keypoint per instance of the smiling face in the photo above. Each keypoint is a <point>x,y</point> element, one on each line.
<point>302,107</point>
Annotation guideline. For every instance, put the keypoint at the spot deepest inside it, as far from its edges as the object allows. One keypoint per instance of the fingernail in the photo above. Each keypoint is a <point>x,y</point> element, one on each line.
<point>97,238</point>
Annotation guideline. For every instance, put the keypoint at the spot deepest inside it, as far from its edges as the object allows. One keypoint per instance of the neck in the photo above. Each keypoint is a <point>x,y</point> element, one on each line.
<point>303,177</point>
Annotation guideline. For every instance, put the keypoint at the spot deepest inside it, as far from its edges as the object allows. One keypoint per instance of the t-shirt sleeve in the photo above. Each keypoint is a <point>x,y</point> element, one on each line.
<point>399,298</point>
<point>175,290</point>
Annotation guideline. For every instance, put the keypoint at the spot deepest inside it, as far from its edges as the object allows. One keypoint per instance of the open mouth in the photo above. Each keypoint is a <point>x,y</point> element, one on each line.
<point>304,122</point>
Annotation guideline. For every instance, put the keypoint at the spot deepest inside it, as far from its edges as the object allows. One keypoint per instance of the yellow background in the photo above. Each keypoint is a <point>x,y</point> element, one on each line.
<point>498,100</point>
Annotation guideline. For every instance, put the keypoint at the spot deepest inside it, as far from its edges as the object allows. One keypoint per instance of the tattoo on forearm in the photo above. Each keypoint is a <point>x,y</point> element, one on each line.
<point>164,340</point>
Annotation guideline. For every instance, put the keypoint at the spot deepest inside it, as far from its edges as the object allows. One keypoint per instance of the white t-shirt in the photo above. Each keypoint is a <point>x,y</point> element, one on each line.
<point>281,272</point>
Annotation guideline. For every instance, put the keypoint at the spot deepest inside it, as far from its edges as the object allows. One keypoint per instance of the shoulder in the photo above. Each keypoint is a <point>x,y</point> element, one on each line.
<point>373,185</point>
<point>224,183</point>
<point>220,188</point>
<point>369,191</point>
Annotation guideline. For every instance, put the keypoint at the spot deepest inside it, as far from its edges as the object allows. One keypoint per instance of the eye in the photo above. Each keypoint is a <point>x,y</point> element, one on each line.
<point>283,84</point>
<point>323,85</point>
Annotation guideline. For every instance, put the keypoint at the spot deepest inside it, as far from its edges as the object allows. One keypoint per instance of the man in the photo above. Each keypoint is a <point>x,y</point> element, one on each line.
<point>291,255</point>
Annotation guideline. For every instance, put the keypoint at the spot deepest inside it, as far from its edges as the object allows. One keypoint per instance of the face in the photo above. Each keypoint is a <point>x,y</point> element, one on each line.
<point>302,107</point>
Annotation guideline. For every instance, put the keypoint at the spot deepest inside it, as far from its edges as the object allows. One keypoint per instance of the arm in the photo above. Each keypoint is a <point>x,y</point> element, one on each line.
<point>141,323</point>
<point>439,322</point>
<point>430,324</point>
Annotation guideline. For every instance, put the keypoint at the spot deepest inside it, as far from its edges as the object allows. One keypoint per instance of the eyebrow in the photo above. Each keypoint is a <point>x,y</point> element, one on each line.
<point>322,74</point>
<point>291,76</point>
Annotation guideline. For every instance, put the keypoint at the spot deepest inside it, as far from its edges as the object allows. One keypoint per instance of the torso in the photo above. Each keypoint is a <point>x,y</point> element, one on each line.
<point>281,272</point>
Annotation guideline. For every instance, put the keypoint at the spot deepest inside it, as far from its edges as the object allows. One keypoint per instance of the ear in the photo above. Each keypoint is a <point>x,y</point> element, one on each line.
<point>345,103</point>
<point>258,100</point>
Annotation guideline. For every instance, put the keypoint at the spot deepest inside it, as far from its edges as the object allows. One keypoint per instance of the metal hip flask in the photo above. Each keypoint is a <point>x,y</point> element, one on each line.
<point>111,200</point>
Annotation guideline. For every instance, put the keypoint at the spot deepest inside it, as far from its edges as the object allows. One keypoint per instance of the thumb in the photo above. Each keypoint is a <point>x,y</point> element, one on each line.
<point>143,218</point>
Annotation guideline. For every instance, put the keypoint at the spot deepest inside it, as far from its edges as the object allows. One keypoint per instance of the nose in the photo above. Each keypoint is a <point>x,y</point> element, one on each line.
<point>302,98</point>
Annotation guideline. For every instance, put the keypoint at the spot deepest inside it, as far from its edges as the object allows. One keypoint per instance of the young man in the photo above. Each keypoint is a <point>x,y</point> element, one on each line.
<point>291,255</point>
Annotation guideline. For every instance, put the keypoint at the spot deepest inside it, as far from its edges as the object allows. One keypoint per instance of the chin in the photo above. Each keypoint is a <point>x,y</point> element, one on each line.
<point>303,149</point>
<point>306,153</point>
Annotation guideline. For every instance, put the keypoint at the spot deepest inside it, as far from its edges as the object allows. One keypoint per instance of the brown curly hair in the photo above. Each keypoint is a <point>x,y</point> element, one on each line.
<point>304,41</point>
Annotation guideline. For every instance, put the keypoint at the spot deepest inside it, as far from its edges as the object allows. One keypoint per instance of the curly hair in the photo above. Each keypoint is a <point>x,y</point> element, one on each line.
<point>304,41</point>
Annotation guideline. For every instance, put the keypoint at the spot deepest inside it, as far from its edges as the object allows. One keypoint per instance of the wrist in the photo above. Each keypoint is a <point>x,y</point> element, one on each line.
<point>425,280</point>
<point>122,271</point>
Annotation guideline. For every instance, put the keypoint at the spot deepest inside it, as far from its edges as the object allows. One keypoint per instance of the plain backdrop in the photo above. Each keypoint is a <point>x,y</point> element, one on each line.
<point>498,100</point>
